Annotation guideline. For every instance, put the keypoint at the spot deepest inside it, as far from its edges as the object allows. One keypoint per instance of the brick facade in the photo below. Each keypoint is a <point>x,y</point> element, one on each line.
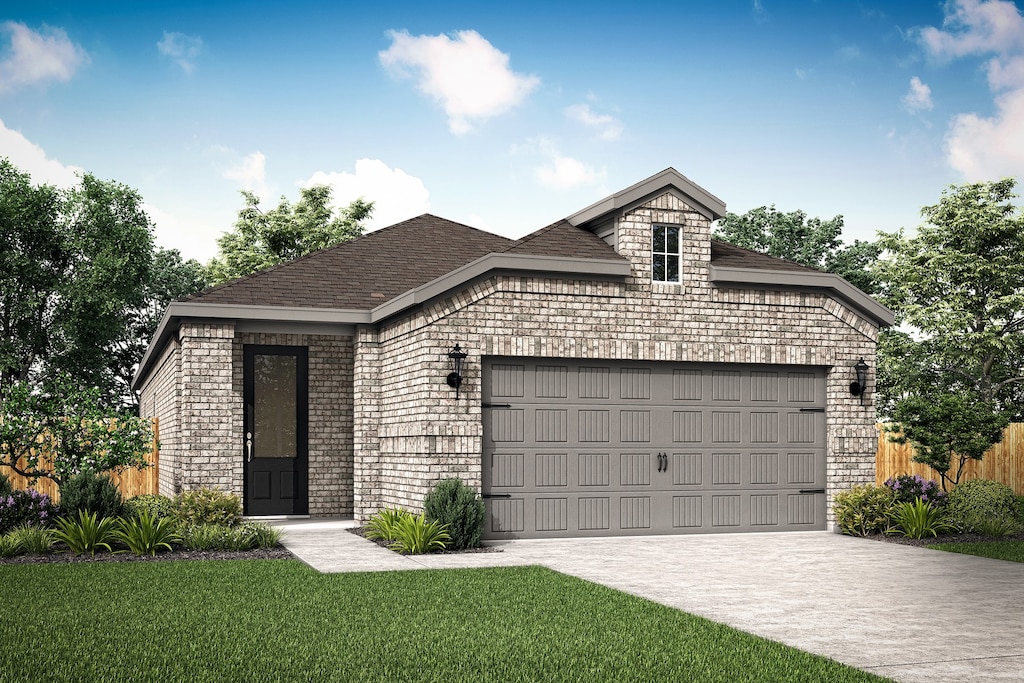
<point>384,426</point>
<point>425,435</point>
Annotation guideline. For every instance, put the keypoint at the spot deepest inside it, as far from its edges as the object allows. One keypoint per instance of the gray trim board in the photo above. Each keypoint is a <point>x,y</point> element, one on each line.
<point>181,310</point>
<point>708,204</point>
<point>787,279</point>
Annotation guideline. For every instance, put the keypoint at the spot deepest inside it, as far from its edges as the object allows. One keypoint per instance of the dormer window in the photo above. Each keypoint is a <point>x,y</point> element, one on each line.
<point>665,255</point>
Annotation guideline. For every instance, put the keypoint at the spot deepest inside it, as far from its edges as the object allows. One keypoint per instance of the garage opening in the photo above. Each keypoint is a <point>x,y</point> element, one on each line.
<point>601,448</point>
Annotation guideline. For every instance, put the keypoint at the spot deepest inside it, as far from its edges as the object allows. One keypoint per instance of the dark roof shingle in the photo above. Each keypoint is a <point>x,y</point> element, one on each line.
<point>731,256</point>
<point>564,239</point>
<point>365,272</point>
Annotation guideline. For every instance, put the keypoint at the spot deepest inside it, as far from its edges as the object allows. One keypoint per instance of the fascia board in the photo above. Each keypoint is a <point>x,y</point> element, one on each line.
<point>786,279</point>
<point>497,262</point>
<point>715,207</point>
<point>182,310</point>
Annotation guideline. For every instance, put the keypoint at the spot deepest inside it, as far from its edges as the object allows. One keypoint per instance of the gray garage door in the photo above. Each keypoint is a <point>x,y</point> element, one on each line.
<point>593,448</point>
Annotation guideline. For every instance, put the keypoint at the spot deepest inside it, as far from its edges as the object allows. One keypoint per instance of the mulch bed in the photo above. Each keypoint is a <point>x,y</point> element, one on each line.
<point>943,538</point>
<point>65,557</point>
<point>362,530</point>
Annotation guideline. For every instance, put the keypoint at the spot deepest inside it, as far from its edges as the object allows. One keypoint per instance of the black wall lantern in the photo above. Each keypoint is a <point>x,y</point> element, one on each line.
<point>860,385</point>
<point>456,359</point>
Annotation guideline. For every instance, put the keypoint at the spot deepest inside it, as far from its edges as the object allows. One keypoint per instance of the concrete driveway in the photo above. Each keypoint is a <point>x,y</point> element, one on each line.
<point>902,612</point>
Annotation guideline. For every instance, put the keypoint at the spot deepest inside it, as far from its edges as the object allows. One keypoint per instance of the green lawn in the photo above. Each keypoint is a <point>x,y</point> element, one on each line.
<point>278,620</point>
<point>998,550</point>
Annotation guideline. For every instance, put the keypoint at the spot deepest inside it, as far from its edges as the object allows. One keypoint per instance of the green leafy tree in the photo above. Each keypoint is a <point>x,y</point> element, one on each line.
<point>264,239</point>
<point>811,242</point>
<point>79,279</point>
<point>953,383</point>
<point>65,429</point>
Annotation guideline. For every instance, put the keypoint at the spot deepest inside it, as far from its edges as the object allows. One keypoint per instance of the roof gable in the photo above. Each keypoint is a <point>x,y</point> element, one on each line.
<point>670,179</point>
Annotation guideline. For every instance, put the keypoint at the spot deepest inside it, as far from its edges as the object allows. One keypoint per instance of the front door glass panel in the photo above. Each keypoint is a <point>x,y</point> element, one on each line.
<point>275,389</point>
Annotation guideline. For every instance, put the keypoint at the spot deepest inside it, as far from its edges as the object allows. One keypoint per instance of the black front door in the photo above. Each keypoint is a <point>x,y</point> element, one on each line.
<point>276,430</point>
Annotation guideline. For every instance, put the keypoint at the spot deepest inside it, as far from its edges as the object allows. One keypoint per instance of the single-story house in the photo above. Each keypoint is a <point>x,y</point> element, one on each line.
<point>616,372</point>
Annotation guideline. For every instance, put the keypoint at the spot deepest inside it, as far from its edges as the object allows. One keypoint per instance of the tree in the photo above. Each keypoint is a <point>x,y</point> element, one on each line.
<point>72,265</point>
<point>953,384</point>
<point>264,239</point>
<point>814,243</point>
<point>63,429</point>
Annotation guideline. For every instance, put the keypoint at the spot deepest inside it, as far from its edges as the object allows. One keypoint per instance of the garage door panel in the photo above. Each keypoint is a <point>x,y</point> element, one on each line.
<point>605,448</point>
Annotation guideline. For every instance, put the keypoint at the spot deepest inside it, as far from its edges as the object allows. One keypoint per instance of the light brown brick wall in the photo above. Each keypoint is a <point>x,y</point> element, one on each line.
<point>424,435</point>
<point>160,397</point>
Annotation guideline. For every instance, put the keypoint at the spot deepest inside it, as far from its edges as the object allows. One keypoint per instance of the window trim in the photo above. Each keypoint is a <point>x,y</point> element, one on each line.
<point>665,254</point>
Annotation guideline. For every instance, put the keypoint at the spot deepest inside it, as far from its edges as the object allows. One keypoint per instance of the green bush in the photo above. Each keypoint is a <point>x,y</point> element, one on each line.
<point>415,535</point>
<point>383,525</point>
<point>918,519</point>
<point>147,533</point>
<point>87,533</point>
<point>206,537</point>
<point>207,506</point>
<point>1020,509</point>
<point>996,527</point>
<point>864,510</point>
<point>974,501</point>
<point>88,491</point>
<point>35,540</point>
<point>5,485</point>
<point>460,509</point>
<point>149,503</point>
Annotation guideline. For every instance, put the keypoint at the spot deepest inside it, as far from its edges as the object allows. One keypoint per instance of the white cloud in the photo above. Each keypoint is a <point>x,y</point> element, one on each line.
<point>38,57</point>
<point>607,127</point>
<point>919,97</point>
<point>30,158</point>
<point>395,194</point>
<point>466,75</point>
<point>557,171</point>
<point>988,148</point>
<point>759,12</point>
<point>251,173</point>
<point>975,27</point>
<point>181,48</point>
<point>982,147</point>
<point>850,53</point>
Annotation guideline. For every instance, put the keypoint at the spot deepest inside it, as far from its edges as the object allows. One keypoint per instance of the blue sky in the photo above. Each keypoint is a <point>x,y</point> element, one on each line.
<point>509,116</point>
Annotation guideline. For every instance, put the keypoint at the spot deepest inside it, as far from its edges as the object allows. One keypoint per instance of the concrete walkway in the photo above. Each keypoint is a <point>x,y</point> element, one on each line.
<point>906,613</point>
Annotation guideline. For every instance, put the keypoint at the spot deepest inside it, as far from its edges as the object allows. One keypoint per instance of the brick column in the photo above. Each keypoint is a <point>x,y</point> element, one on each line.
<point>366,381</point>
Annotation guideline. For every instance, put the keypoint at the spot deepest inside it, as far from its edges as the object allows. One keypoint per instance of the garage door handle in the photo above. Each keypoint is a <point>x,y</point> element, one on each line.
<point>496,495</point>
<point>662,462</point>
<point>497,405</point>
<point>812,490</point>
<point>812,410</point>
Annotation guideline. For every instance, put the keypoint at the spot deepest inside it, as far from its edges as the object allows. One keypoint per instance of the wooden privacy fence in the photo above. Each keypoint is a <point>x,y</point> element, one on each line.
<point>1003,462</point>
<point>131,482</point>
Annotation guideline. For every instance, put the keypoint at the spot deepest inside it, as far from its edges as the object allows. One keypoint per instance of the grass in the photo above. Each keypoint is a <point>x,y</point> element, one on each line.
<point>278,620</point>
<point>1012,551</point>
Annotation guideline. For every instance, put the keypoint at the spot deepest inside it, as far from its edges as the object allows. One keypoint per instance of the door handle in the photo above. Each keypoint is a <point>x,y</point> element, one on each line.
<point>662,462</point>
<point>665,468</point>
<point>248,446</point>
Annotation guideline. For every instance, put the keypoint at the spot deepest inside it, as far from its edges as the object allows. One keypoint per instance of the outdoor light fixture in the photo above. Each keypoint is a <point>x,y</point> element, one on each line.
<point>859,385</point>
<point>456,359</point>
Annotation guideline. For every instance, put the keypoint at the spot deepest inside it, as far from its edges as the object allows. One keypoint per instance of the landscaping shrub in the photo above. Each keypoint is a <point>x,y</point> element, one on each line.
<point>206,537</point>
<point>149,503</point>
<point>207,506</point>
<point>5,485</point>
<point>88,491</point>
<point>918,519</point>
<point>416,535</point>
<point>26,507</point>
<point>147,533</point>
<point>864,510</point>
<point>87,533</point>
<point>383,525</point>
<point>460,509</point>
<point>33,539</point>
<point>1020,509</point>
<point>9,545</point>
<point>911,487</point>
<point>974,501</point>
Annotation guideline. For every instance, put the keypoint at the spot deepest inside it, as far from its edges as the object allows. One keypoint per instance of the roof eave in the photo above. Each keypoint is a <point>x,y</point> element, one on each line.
<point>709,204</point>
<point>834,284</point>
